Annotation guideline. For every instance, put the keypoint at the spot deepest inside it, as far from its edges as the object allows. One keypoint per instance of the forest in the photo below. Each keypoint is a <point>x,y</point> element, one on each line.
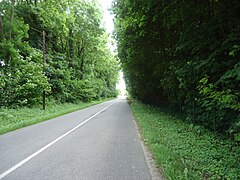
<point>183,55</point>
<point>54,49</point>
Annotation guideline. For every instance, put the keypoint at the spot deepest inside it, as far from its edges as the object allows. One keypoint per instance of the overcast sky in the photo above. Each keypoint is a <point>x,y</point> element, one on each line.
<point>108,23</point>
<point>108,18</point>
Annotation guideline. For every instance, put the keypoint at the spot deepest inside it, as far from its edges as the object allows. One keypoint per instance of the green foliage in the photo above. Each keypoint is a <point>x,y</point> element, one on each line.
<point>24,86</point>
<point>79,64</point>
<point>21,72</point>
<point>183,54</point>
<point>186,151</point>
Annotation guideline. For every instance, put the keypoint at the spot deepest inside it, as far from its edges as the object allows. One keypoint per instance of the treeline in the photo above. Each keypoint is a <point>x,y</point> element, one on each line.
<point>184,54</point>
<point>79,65</point>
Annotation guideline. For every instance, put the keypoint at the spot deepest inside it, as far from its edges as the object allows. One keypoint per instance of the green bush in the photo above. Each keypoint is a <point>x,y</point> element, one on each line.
<point>23,83</point>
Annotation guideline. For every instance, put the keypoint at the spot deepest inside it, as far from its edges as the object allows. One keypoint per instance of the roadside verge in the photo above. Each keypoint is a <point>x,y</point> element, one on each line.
<point>13,119</point>
<point>185,151</point>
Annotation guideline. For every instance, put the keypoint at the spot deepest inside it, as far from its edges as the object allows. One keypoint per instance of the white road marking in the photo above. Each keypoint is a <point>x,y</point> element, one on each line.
<point>49,145</point>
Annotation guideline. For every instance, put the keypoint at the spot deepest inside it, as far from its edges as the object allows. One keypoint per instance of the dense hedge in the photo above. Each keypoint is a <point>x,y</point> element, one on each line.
<point>184,54</point>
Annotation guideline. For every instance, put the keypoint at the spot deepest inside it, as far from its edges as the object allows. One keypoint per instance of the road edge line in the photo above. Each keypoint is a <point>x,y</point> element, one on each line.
<point>13,168</point>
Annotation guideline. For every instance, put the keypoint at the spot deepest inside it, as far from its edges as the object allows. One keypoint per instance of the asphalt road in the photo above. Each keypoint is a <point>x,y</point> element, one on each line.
<point>100,142</point>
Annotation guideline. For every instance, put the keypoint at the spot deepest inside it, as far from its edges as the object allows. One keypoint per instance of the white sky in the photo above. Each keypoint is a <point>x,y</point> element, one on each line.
<point>108,23</point>
<point>121,84</point>
<point>107,18</point>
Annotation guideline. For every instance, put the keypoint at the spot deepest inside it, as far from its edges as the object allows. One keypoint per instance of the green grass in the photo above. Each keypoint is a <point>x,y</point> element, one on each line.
<point>185,151</point>
<point>12,119</point>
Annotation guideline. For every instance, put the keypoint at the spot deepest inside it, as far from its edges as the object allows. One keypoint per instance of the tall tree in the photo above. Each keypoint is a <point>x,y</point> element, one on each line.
<point>183,54</point>
<point>73,66</point>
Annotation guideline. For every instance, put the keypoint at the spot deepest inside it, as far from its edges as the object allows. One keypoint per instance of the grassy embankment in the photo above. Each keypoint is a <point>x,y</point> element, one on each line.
<point>184,151</point>
<point>12,119</point>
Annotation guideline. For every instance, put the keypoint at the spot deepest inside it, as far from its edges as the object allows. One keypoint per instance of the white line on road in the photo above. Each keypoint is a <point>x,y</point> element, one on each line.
<point>49,145</point>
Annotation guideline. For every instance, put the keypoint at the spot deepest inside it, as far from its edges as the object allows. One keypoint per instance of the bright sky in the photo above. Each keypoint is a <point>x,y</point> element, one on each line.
<point>108,23</point>
<point>107,18</point>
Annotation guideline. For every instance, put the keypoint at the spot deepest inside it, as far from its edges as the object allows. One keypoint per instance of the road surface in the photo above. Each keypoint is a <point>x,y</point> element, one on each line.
<point>100,142</point>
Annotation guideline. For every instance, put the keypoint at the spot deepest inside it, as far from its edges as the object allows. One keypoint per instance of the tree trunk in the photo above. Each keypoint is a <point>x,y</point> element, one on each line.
<point>70,44</point>
<point>44,64</point>
<point>11,18</point>
<point>1,28</point>
<point>82,63</point>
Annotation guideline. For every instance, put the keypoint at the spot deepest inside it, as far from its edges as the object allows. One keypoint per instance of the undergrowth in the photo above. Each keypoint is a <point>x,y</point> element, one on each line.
<point>186,151</point>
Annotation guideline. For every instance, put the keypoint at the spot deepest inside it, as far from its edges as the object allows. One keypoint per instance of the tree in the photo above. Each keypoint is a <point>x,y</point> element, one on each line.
<point>182,54</point>
<point>77,53</point>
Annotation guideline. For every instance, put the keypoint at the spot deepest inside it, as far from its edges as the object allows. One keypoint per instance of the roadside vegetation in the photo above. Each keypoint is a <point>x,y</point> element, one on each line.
<point>12,119</point>
<point>55,48</point>
<point>184,55</point>
<point>185,151</point>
